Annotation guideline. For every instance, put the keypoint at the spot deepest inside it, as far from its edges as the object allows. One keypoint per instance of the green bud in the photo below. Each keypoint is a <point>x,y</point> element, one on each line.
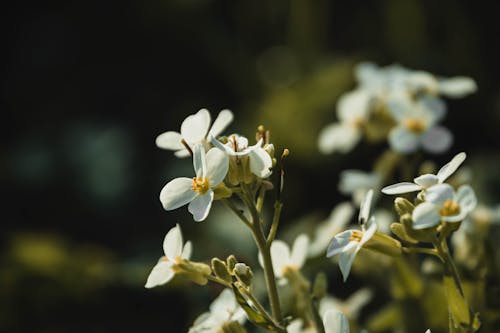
<point>399,230</point>
<point>220,270</point>
<point>384,244</point>
<point>243,273</point>
<point>231,262</point>
<point>403,206</point>
<point>320,286</point>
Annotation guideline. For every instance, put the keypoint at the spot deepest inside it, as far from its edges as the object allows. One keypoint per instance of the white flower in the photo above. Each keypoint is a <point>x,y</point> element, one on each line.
<point>283,259</point>
<point>335,322</point>
<point>352,111</point>
<point>454,87</point>
<point>174,251</point>
<point>211,169</point>
<point>194,130</point>
<point>259,159</point>
<point>350,307</point>
<point>443,203</point>
<point>425,181</point>
<point>335,223</point>
<point>349,242</point>
<point>417,125</point>
<point>357,183</point>
<point>223,310</point>
<point>296,326</point>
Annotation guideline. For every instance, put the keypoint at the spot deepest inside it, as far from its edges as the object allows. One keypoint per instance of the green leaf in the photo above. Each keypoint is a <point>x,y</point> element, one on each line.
<point>457,305</point>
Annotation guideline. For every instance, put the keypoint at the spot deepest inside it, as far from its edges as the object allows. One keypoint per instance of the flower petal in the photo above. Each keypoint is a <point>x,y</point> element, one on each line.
<point>338,137</point>
<point>161,273</point>
<point>403,141</point>
<point>436,140</point>
<point>280,255</point>
<point>439,193</point>
<point>425,215</point>
<point>340,216</point>
<point>364,210</point>
<point>426,180</point>
<point>172,244</point>
<point>195,127</point>
<point>400,188</point>
<point>200,206</point>
<point>371,228</point>
<point>217,166</point>
<point>335,322</point>
<point>346,260</point>
<point>169,140</point>
<point>340,243</point>
<point>457,87</point>
<point>199,161</point>
<point>353,106</point>
<point>260,162</point>
<point>224,118</point>
<point>182,153</point>
<point>299,250</point>
<point>449,168</point>
<point>466,198</point>
<point>177,193</point>
<point>187,250</point>
<point>433,107</point>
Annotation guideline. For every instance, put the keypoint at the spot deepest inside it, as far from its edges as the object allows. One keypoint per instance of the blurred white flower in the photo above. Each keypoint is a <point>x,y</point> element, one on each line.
<point>349,242</point>
<point>351,306</point>
<point>175,251</point>
<point>442,203</point>
<point>296,326</point>
<point>237,146</point>
<point>283,259</point>
<point>454,87</point>
<point>338,219</point>
<point>194,130</point>
<point>334,321</point>
<point>417,125</point>
<point>357,183</point>
<point>211,169</point>
<point>352,111</point>
<point>425,181</point>
<point>223,310</point>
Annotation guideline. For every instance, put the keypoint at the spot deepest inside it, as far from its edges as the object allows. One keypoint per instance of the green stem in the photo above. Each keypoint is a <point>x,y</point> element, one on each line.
<point>433,252</point>
<point>276,220</point>
<point>260,198</point>
<point>257,304</point>
<point>218,280</point>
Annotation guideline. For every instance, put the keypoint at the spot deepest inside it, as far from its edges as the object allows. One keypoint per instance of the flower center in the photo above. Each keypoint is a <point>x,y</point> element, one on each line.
<point>414,125</point>
<point>200,185</point>
<point>449,208</point>
<point>356,236</point>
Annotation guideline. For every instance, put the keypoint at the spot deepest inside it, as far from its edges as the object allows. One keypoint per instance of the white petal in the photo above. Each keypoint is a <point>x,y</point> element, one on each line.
<point>177,193</point>
<point>457,87</point>
<point>433,107</point>
<point>340,243</point>
<point>428,331</point>
<point>195,127</point>
<point>199,161</point>
<point>182,153</point>
<point>224,302</point>
<point>346,260</point>
<point>436,140</point>
<point>356,301</point>
<point>335,322</point>
<point>439,193</point>
<point>466,198</point>
<point>403,141</point>
<point>338,137</point>
<point>400,107</point>
<point>354,180</point>
<point>200,206</point>
<point>299,250</point>
<point>422,80</point>
<point>426,180</point>
<point>353,106</point>
<point>449,168</point>
<point>400,188</point>
<point>160,274</point>
<point>169,140</point>
<point>187,250</point>
<point>280,255</point>
<point>217,166</point>
<point>371,228</point>
<point>224,118</point>
<point>172,244</point>
<point>364,210</point>
<point>260,163</point>
<point>425,215</point>
<point>340,216</point>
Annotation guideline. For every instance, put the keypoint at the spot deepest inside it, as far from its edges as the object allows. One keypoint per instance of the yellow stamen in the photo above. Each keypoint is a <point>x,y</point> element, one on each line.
<point>449,208</point>
<point>356,236</point>
<point>414,125</point>
<point>200,185</point>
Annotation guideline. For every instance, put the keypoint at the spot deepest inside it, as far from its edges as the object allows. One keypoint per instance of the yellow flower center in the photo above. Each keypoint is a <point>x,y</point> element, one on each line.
<point>200,185</point>
<point>356,236</point>
<point>414,125</point>
<point>449,208</point>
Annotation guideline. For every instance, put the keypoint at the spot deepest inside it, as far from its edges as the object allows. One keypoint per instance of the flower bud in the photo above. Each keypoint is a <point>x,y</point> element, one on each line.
<point>243,273</point>
<point>399,230</point>
<point>424,235</point>
<point>403,206</point>
<point>384,244</point>
<point>231,262</point>
<point>220,270</point>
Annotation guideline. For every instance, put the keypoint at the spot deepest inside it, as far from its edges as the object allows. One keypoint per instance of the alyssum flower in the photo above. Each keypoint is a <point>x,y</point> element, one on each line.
<point>211,169</point>
<point>194,130</point>
<point>425,181</point>
<point>349,242</point>
<point>285,260</point>
<point>175,252</point>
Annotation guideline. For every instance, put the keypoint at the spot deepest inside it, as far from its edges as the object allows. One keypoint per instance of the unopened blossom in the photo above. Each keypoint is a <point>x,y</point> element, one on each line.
<point>425,181</point>
<point>223,310</point>
<point>335,223</point>
<point>417,125</point>
<point>210,169</point>
<point>349,242</point>
<point>352,111</point>
<point>237,147</point>
<point>285,259</point>
<point>442,203</point>
<point>175,251</point>
<point>195,129</point>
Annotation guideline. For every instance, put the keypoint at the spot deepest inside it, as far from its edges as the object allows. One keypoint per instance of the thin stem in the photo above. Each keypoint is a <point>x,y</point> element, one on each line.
<point>276,220</point>
<point>260,198</point>
<point>444,253</point>
<point>218,280</point>
<point>433,252</point>
<point>235,210</point>
<point>257,304</point>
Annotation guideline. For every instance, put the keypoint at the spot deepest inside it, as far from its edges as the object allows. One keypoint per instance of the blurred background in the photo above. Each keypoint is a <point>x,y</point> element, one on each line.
<point>88,85</point>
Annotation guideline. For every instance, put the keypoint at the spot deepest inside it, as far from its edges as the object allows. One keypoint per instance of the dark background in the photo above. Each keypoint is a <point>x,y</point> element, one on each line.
<point>86,86</point>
